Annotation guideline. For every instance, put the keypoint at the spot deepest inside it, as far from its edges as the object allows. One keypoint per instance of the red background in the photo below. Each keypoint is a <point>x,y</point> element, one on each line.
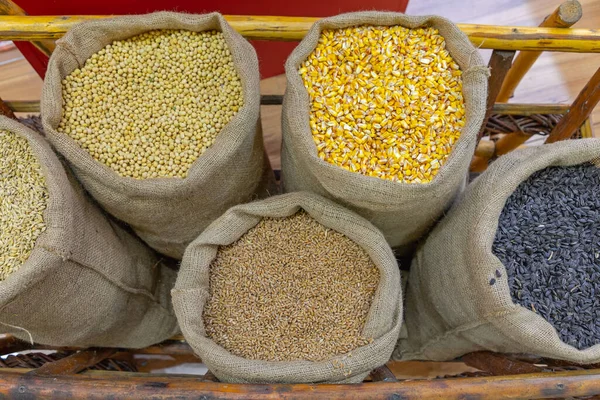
<point>271,55</point>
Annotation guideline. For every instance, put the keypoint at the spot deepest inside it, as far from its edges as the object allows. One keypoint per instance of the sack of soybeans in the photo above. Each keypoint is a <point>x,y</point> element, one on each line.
<point>515,265</point>
<point>291,289</point>
<point>158,115</point>
<point>381,114</point>
<point>68,275</point>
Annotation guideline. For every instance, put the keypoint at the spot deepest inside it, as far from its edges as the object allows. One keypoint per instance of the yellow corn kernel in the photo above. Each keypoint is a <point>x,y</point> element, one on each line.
<point>373,113</point>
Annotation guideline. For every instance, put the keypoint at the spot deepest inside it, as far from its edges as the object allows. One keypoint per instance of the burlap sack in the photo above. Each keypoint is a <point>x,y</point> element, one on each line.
<point>167,213</point>
<point>87,281</point>
<point>192,290</point>
<point>403,212</point>
<point>451,308</point>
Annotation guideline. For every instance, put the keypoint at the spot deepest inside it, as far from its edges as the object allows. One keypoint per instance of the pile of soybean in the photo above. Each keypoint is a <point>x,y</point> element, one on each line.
<point>150,105</point>
<point>290,289</point>
<point>548,239</point>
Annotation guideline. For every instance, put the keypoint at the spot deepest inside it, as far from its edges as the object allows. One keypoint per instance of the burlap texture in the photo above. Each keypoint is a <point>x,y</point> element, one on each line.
<point>403,212</point>
<point>87,281</point>
<point>451,308</point>
<point>192,290</point>
<point>167,213</point>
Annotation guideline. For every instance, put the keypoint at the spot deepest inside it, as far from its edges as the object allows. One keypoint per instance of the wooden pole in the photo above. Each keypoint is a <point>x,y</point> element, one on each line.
<point>499,65</point>
<point>580,110</point>
<point>107,385</point>
<point>6,111</point>
<point>35,28</point>
<point>7,7</point>
<point>486,149</point>
<point>509,142</point>
<point>565,16</point>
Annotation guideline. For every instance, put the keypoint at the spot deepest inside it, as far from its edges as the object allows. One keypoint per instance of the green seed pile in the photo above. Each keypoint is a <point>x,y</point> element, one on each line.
<point>150,105</point>
<point>23,199</point>
<point>290,289</point>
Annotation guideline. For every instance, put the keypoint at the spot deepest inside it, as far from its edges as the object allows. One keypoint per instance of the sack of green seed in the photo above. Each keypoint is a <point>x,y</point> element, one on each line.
<point>294,289</point>
<point>68,275</point>
<point>381,114</point>
<point>514,267</point>
<point>158,115</point>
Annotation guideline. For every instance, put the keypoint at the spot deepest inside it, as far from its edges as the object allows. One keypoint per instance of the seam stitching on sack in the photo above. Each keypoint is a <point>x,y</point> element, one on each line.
<point>462,328</point>
<point>127,289</point>
<point>67,48</point>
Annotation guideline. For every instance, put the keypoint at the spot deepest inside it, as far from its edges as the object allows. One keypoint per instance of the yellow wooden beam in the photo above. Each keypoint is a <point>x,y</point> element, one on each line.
<point>294,28</point>
<point>9,7</point>
<point>33,106</point>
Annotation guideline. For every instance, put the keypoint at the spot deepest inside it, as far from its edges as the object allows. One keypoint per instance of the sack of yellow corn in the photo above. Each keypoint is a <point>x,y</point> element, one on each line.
<point>158,115</point>
<point>291,289</point>
<point>381,114</point>
<point>68,275</point>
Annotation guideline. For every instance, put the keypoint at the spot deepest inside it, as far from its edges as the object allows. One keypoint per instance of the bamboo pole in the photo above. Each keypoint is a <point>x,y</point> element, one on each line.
<point>509,142</point>
<point>580,110</point>
<point>7,7</point>
<point>108,384</point>
<point>294,28</point>
<point>29,106</point>
<point>529,109</point>
<point>586,129</point>
<point>486,149</point>
<point>565,16</point>
<point>33,106</point>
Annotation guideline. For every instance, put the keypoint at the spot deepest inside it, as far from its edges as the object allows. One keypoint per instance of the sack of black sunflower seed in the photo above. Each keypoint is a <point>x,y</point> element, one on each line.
<point>515,265</point>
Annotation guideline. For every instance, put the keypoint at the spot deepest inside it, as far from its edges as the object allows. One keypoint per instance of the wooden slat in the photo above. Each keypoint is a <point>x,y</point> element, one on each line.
<point>383,374</point>
<point>74,363</point>
<point>139,386</point>
<point>10,344</point>
<point>565,16</point>
<point>167,348</point>
<point>580,110</point>
<point>294,28</point>
<point>498,364</point>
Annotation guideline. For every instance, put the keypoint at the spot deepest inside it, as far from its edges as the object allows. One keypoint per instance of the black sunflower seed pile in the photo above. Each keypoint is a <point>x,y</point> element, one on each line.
<point>548,239</point>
